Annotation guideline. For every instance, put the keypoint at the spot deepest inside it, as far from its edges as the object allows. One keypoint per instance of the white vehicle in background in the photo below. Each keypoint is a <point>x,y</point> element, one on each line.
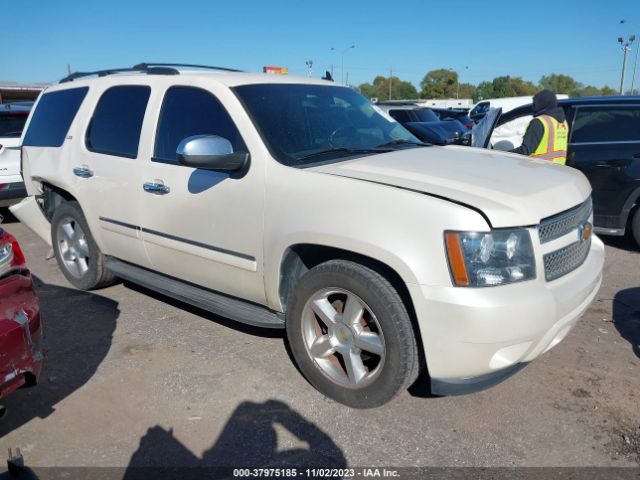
<point>514,131</point>
<point>13,117</point>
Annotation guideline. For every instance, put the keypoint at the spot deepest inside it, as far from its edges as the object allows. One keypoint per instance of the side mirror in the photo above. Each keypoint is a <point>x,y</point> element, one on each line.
<point>210,152</point>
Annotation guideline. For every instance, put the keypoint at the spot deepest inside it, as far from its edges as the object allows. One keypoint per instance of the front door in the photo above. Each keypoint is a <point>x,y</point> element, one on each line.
<point>203,226</point>
<point>605,146</point>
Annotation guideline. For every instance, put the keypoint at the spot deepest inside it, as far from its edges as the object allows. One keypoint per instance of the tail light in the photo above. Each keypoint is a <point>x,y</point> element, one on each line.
<point>11,256</point>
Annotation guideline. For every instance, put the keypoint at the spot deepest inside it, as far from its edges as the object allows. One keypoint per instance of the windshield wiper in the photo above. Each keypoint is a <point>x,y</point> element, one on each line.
<point>378,149</point>
<point>394,143</point>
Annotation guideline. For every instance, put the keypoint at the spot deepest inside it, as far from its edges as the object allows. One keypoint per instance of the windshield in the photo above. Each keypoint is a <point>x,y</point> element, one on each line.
<point>306,124</point>
<point>11,125</point>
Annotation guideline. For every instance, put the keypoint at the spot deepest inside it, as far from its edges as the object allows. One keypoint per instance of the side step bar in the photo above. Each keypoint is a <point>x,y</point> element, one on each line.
<point>228,307</point>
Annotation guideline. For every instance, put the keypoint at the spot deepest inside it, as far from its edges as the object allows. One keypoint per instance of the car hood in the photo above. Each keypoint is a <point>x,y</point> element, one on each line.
<point>510,190</point>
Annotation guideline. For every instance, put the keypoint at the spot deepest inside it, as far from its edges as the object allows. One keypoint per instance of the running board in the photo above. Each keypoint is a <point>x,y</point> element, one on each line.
<point>228,307</point>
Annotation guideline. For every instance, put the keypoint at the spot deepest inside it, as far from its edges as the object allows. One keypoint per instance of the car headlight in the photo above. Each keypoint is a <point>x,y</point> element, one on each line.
<point>479,259</point>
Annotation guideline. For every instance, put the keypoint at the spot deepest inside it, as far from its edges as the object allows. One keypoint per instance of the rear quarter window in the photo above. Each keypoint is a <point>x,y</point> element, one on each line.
<point>617,124</point>
<point>53,117</point>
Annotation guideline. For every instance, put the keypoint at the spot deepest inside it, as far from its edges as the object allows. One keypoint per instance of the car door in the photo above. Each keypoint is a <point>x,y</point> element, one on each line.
<point>605,146</point>
<point>203,226</point>
<point>105,168</point>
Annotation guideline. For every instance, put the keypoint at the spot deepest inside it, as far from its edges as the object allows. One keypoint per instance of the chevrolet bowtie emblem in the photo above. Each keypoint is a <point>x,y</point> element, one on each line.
<point>584,231</point>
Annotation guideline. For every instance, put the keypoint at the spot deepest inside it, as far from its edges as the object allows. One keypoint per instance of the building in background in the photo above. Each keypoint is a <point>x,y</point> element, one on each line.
<point>16,92</point>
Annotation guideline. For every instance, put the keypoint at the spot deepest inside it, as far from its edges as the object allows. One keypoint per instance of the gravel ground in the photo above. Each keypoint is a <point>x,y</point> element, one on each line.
<point>135,379</point>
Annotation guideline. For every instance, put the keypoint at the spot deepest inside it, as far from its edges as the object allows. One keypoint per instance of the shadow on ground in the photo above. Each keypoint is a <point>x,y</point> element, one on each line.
<point>626,316</point>
<point>625,242</point>
<point>238,326</point>
<point>248,440</point>
<point>78,328</point>
<point>7,216</point>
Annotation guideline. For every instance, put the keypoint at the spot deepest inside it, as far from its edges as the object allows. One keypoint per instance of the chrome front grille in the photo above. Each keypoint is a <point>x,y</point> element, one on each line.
<point>558,225</point>
<point>565,260</point>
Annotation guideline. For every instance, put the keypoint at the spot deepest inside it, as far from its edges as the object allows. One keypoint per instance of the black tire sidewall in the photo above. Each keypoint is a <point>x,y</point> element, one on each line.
<point>401,351</point>
<point>635,226</point>
<point>92,278</point>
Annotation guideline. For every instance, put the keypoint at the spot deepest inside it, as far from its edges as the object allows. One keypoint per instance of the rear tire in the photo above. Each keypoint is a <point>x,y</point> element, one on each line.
<point>350,334</point>
<point>77,254</point>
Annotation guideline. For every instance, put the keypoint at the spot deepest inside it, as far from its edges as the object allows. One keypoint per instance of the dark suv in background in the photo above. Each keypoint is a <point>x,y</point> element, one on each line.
<point>604,144</point>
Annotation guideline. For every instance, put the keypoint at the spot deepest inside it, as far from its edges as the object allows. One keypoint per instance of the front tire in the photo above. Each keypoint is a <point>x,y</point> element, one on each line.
<point>77,253</point>
<point>635,226</point>
<point>350,334</point>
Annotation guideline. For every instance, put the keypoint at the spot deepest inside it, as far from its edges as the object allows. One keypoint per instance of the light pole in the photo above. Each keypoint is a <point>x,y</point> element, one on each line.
<point>626,44</point>
<point>635,62</point>
<point>342,52</point>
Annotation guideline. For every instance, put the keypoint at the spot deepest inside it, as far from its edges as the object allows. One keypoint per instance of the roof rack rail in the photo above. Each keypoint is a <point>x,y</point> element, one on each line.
<point>147,65</point>
<point>138,68</point>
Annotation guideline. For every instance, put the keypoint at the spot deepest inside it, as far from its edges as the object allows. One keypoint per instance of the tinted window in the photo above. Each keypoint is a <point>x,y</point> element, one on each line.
<point>11,124</point>
<point>188,111</point>
<point>403,116</point>
<point>617,124</point>
<point>53,116</point>
<point>426,115</point>
<point>117,121</point>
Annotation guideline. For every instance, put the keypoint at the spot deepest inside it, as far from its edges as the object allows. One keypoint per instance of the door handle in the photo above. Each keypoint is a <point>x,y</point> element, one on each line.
<point>84,172</point>
<point>637,155</point>
<point>156,188</point>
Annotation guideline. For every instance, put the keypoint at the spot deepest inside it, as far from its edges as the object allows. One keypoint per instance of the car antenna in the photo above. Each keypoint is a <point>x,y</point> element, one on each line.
<point>327,76</point>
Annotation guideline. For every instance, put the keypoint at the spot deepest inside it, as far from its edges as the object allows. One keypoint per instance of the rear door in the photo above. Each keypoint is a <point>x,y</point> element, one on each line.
<point>605,146</point>
<point>105,168</point>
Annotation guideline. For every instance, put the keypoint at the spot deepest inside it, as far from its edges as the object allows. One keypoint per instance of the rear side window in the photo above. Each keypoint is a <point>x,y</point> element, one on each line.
<point>117,121</point>
<point>53,116</point>
<point>616,124</point>
<point>11,124</point>
<point>188,111</point>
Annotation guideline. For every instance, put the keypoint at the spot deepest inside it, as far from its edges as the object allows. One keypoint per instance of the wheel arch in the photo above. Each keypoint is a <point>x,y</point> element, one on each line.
<point>52,197</point>
<point>629,206</point>
<point>301,257</point>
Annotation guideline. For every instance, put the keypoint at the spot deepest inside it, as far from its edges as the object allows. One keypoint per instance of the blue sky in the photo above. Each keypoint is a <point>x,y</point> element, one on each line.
<point>491,38</point>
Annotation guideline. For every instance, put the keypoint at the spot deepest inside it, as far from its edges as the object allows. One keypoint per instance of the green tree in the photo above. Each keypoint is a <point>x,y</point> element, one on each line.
<point>466,90</point>
<point>508,86</point>
<point>400,89</point>
<point>607,90</point>
<point>559,83</point>
<point>441,83</point>
<point>483,91</point>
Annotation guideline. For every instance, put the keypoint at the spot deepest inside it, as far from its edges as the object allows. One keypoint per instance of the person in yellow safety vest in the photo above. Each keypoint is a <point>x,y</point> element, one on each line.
<point>548,133</point>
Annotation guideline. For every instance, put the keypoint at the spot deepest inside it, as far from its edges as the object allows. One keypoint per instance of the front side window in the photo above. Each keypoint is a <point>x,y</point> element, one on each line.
<point>117,121</point>
<point>53,116</point>
<point>606,124</point>
<point>188,111</point>
<point>304,124</point>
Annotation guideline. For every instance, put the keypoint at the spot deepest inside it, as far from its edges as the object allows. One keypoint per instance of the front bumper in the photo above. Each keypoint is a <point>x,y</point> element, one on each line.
<point>11,193</point>
<point>21,351</point>
<point>475,337</point>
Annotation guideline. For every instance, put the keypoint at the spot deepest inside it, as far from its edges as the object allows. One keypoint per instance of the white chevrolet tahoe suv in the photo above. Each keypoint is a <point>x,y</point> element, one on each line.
<point>295,203</point>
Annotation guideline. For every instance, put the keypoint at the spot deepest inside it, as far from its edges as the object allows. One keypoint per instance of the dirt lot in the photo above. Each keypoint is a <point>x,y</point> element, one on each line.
<point>134,379</point>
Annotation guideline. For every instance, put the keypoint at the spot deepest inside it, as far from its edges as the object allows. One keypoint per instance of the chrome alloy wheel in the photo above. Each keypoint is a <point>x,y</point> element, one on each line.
<point>72,246</point>
<point>343,337</point>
